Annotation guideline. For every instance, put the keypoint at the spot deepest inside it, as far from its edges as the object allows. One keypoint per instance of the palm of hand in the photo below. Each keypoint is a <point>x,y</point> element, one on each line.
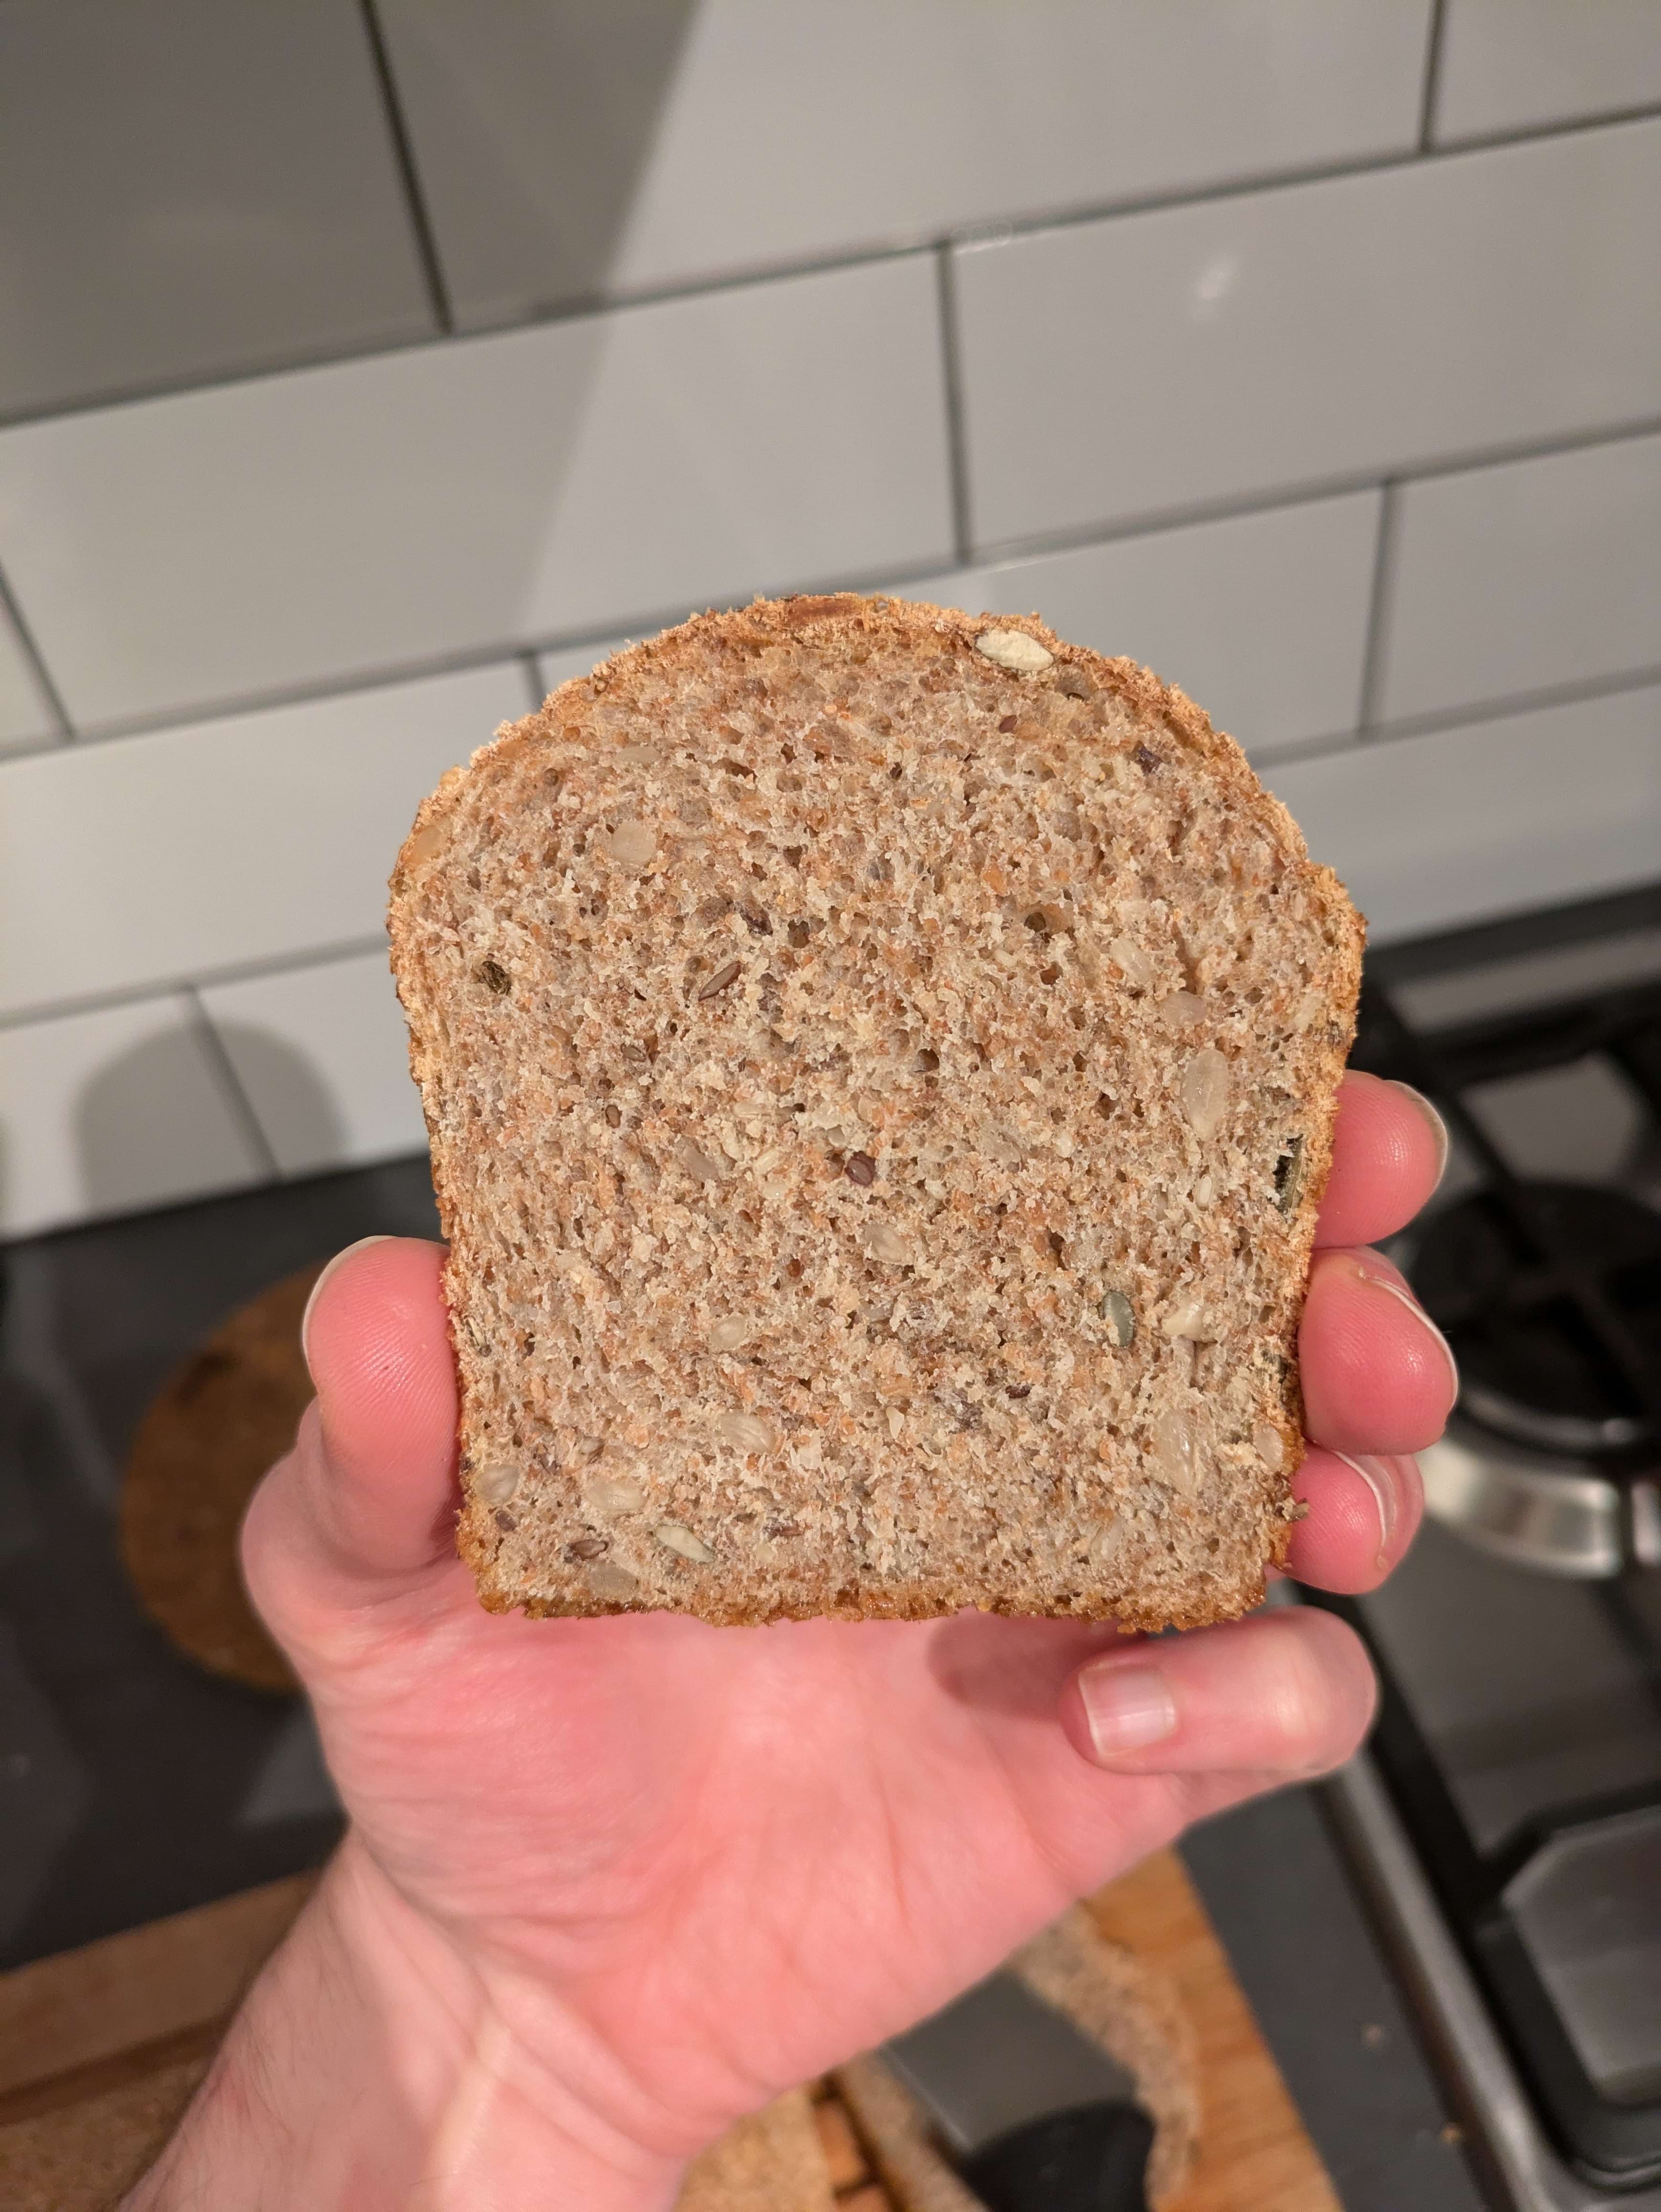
<point>738,1856</point>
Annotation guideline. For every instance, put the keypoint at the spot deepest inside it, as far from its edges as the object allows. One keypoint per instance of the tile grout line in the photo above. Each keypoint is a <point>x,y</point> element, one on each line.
<point>968,235</point>
<point>1379,608</point>
<point>1430,90</point>
<point>500,653</point>
<point>205,979</point>
<point>415,199</point>
<point>233,1092</point>
<point>1470,715</point>
<point>957,442</point>
<point>37,660</point>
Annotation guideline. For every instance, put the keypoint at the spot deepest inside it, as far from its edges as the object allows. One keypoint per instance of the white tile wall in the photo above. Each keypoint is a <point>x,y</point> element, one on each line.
<point>1394,429</point>
<point>153,859</point>
<point>1312,332</point>
<point>1523,811</point>
<point>1520,579</point>
<point>104,1112</point>
<point>870,123</point>
<point>26,715</point>
<point>322,1056</point>
<point>472,495</point>
<point>1263,617</point>
<point>1507,63</point>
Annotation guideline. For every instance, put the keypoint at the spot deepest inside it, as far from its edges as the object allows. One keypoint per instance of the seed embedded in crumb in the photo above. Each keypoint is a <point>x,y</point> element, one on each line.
<point>1205,1091</point>
<point>1132,963</point>
<point>632,844</point>
<point>746,1433</point>
<point>615,1494</point>
<point>505,1522</point>
<point>885,1242</point>
<point>1014,650</point>
<point>1289,1176</point>
<point>1182,1009</point>
<point>1075,684</point>
<point>495,1483</point>
<point>426,840</point>
<point>1186,1319</point>
<point>861,1169</point>
<point>1174,1451</point>
<point>1006,724</point>
<point>611,1583</point>
<point>1145,759</point>
<point>728,972</point>
<point>674,1538</point>
<point>1269,1446</point>
<point>613,1117</point>
<point>588,1548</point>
<point>732,1333</point>
<point>696,1162</point>
<point>1116,1311</point>
<point>1107,1542</point>
<point>494,977</point>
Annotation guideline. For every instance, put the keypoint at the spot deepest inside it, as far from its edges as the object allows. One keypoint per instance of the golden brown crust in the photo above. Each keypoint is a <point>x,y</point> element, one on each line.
<point>1082,713</point>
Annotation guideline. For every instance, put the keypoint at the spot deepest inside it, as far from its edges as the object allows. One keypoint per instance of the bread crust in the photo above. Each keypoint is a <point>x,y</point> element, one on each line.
<point>627,689</point>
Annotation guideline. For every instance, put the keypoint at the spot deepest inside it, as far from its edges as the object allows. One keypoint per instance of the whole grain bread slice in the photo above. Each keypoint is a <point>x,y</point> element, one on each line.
<point>880,1066</point>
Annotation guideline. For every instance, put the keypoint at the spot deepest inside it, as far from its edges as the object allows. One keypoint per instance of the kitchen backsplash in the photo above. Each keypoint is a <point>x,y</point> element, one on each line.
<point>364,370</point>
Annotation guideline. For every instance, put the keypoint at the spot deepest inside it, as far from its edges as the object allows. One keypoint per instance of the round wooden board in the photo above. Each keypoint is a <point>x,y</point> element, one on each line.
<point>211,1432</point>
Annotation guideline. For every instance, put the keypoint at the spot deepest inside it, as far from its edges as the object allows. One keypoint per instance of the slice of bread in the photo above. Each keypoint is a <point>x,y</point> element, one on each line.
<point>880,1066</point>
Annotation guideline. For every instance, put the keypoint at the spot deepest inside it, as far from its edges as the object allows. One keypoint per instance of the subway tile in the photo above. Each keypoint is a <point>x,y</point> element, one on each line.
<point>1506,65</point>
<point>25,714</point>
<point>149,859</point>
<point>1263,618</point>
<point>1310,333</point>
<point>490,492</point>
<point>872,124</point>
<point>1523,811</point>
<point>103,1113</point>
<point>322,1056</point>
<point>188,189</point>
<point>1519,579</point>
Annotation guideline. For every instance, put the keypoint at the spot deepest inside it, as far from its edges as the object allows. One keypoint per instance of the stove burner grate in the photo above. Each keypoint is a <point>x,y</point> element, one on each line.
<point>1535,1365</point>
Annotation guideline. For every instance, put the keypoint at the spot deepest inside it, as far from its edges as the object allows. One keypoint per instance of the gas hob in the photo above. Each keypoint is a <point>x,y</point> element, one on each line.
<point>1507,1817</point>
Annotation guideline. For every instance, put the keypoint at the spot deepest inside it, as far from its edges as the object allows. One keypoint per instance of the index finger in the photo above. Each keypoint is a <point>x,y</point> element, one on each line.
<point>1389,1150</point>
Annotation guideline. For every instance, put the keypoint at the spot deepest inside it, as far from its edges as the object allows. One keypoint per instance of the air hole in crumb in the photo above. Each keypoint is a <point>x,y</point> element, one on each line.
<point>1049,973</point>
<point>798,933</point>
<point>1006,724</point>
<point>1057,1246</point>
<point>794,853</point>
<point>494,977</point>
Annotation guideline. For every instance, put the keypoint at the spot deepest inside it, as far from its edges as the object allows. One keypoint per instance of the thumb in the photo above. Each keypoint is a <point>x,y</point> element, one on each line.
<point>368,1494</point>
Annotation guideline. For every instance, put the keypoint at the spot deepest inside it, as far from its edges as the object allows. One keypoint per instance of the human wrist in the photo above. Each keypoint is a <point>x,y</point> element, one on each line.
<point>369,2069</point>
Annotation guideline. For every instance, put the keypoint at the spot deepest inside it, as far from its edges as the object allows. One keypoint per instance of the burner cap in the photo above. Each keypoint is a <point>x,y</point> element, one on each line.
<point>1535,1289</point>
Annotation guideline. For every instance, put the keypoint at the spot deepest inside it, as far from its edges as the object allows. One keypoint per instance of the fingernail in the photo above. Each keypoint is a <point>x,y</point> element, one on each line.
<point>1380,1478</point>
<point>1397,1290</point>
<point>1127,1707</point>
<point>306,1318</point>
<point>1438,1127</point>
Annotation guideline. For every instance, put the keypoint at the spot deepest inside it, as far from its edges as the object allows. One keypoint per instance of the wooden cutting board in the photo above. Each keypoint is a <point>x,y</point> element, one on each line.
<point>100,2050</point>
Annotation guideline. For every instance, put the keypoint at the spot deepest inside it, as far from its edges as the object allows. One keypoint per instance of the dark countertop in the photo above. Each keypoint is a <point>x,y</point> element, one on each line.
<point>131,1785</point>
